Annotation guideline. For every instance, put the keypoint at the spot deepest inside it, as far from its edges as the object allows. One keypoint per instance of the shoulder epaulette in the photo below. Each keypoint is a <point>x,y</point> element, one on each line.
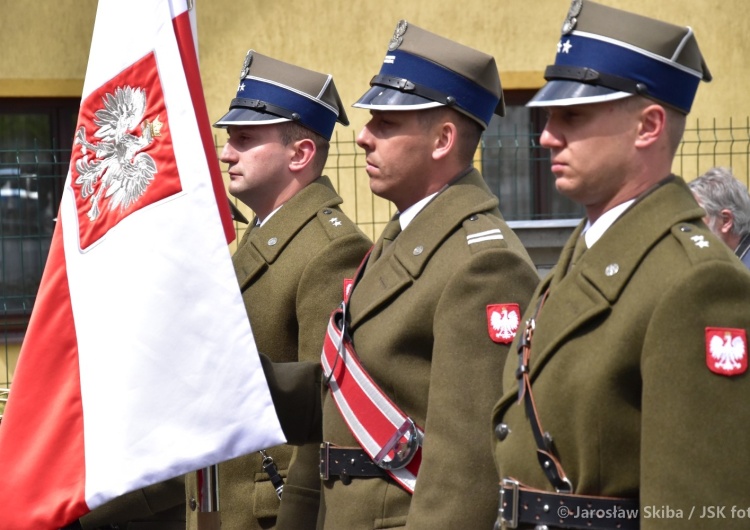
<point>699,243</point>
<point>483,231</point>
<point>335,223</point>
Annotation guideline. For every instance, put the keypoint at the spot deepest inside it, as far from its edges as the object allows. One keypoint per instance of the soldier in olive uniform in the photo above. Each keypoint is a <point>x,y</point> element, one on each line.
<point>433,312</point>
<point>291,262</point>
<point>160,506</point>
<point>615,412</point>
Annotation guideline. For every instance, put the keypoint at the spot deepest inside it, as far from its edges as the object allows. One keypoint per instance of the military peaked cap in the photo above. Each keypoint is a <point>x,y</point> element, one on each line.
<point>422,70</point>
<point>606,53</point>
<point>272,91</point>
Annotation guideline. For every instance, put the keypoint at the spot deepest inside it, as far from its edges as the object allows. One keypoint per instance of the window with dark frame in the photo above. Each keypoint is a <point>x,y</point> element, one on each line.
<point>517,168</point>
<point>36,135</point>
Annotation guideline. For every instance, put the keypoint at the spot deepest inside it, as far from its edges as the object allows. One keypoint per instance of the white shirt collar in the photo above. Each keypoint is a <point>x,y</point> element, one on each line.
<point>264,221</point>
<point>593,232</point>
<point>408,215</point>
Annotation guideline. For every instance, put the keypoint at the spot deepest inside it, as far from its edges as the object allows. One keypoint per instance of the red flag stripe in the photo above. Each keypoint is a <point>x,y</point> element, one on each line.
<point>45,411</point>
<point>184,34</point>
<point>125,326</point>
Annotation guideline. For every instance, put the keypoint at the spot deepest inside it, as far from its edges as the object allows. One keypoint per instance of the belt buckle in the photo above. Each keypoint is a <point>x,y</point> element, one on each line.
<point>509,497</point>
<point>324,455</point>
<point>403,452</point>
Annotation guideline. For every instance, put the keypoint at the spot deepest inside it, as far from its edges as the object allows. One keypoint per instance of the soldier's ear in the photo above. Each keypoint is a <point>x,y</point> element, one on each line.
<point>446,139</point>
<point>303,154</point>
<point>652,121</point>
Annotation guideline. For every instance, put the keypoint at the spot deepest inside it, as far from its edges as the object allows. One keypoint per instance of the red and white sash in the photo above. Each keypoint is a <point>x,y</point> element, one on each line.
<point>387,435</point>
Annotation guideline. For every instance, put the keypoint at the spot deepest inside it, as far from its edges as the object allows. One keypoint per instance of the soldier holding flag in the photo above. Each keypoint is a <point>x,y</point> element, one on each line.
<point>291,262</point>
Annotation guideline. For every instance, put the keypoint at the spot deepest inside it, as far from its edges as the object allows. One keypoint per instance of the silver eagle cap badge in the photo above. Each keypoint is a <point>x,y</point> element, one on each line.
<point>572,19</point>
<point>398,35</point>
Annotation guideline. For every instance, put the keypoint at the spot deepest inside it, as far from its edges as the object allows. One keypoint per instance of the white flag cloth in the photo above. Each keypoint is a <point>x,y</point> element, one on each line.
<point>139,363</point>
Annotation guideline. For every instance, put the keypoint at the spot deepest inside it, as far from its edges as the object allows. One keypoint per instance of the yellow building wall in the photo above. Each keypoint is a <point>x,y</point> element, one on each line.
<point>44,47</point>
<point>12,348</point>
<point>45,44</point>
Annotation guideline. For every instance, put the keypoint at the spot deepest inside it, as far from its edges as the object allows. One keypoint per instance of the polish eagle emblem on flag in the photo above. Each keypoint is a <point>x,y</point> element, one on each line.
<point>122,159</point>
<point>502,322</point>
<point>124,171</point>
<point>726,350</point>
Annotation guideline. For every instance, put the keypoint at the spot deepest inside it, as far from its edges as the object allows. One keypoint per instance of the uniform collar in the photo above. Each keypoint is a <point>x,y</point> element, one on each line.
<point>406,217</point>
<point>276,232</point>
<point>593,232</point>
<point>439,217</point>
<point>609,265</point>
<point>258,222</point>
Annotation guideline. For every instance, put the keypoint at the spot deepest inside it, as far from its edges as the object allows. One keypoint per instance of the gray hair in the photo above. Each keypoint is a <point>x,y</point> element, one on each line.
<point>718,189</point>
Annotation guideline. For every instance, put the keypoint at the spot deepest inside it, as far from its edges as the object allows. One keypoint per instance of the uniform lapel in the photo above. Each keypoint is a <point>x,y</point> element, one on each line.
<point>261,245</point>
<point>403,261</point>
<point>248,262</point>
<point>566,255</point>
<point>595,283</point>
<point>391,231</point>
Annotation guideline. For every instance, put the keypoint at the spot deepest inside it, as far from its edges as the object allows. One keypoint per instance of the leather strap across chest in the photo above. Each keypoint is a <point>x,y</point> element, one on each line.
<point>387,435</point>
<point>545,452</point>
<point>608,512</point>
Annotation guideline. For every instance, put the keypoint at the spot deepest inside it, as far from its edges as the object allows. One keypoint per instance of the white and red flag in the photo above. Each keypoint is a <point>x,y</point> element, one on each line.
<point>139,363</point>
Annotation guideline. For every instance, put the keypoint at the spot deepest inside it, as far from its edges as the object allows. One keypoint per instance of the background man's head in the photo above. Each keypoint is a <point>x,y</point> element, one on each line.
<point>727,204</point>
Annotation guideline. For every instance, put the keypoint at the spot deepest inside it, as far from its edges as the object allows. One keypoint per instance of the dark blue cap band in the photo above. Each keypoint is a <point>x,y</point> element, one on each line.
<point>664,82</point>
<point>469,96</point>
<point>312,114</point>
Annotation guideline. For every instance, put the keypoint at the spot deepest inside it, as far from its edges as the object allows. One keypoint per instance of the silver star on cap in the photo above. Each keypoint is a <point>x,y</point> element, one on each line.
<point>564,47</point>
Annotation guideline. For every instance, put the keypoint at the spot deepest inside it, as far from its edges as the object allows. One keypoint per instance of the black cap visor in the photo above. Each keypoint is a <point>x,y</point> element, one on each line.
<point>560,93</point>
<point>384,98</point>
<point>244,116</point>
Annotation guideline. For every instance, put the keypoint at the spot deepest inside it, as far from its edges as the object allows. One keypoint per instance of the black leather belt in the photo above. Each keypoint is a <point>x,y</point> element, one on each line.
<point>346,462</point>
<point>523,505</point>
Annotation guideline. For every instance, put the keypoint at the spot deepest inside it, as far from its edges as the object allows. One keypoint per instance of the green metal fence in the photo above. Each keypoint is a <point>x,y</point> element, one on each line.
<point>514,165</point>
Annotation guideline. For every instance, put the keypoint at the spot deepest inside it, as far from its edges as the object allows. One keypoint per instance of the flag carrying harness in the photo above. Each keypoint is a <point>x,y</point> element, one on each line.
<point>389,437</point>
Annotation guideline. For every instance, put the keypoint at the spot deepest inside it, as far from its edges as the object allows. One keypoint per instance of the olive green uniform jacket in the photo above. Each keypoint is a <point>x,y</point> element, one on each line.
<point>619,373</point>
<point>291,272</point>
<point>157,507</point>
<point>419,324</point>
